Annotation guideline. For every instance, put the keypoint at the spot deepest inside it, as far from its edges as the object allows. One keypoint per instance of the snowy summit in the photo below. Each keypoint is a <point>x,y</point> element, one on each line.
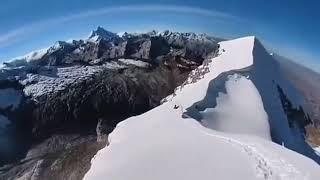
<point>218,125</point>
<point>101,33</point>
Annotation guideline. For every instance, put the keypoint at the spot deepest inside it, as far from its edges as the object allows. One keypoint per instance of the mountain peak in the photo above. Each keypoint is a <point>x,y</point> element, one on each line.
<point>101,33</point>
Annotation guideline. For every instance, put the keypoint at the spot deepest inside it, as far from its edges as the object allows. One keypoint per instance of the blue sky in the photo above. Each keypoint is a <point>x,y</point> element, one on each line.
<point>289,27</point>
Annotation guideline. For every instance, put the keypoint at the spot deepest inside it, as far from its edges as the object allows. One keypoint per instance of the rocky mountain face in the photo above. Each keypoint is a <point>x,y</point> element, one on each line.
<point>58,105</point>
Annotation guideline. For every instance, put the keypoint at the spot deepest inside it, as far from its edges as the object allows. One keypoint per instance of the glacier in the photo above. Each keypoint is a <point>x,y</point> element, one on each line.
<point>205,132</point>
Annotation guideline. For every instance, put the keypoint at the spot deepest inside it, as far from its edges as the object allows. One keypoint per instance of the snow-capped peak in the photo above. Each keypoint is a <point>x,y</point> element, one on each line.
<point>101,33</point>
<point>57,46</point>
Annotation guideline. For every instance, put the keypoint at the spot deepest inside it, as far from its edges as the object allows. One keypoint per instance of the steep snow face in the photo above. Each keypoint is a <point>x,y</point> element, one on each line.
<point>239,110</point>
<point>168,142</point>
<point>272,86</point>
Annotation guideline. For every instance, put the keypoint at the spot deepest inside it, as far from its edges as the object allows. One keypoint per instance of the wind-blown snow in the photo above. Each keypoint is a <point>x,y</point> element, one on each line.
<point>247,113</point>
<point>34,55</point>
<point>9,98</point>
<point>166,143</point>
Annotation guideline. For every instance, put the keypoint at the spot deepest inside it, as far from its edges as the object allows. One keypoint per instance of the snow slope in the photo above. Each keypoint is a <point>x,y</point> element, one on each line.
<point>220,118</point>
<point>172,142</point>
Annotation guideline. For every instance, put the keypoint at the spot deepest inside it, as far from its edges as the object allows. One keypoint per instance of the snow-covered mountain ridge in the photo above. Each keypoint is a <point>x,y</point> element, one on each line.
<point>218,125</point>
<point>102,44</point>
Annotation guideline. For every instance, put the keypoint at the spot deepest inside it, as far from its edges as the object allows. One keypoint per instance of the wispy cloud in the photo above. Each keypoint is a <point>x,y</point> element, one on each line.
<point>18,34</point>
<point>13,35</point>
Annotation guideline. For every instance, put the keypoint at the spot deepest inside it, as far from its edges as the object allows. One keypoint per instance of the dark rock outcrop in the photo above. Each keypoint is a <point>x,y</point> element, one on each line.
<point>15,138</point>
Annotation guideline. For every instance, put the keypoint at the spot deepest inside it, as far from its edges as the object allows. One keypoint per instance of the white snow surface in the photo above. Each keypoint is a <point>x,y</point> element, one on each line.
<point>93,39</point>
<point>57,46</point>
<point>239,121</point>
<point>9,98</point>
<point>223,63</point>
<point>46,83</point>
<point>161,144</point>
